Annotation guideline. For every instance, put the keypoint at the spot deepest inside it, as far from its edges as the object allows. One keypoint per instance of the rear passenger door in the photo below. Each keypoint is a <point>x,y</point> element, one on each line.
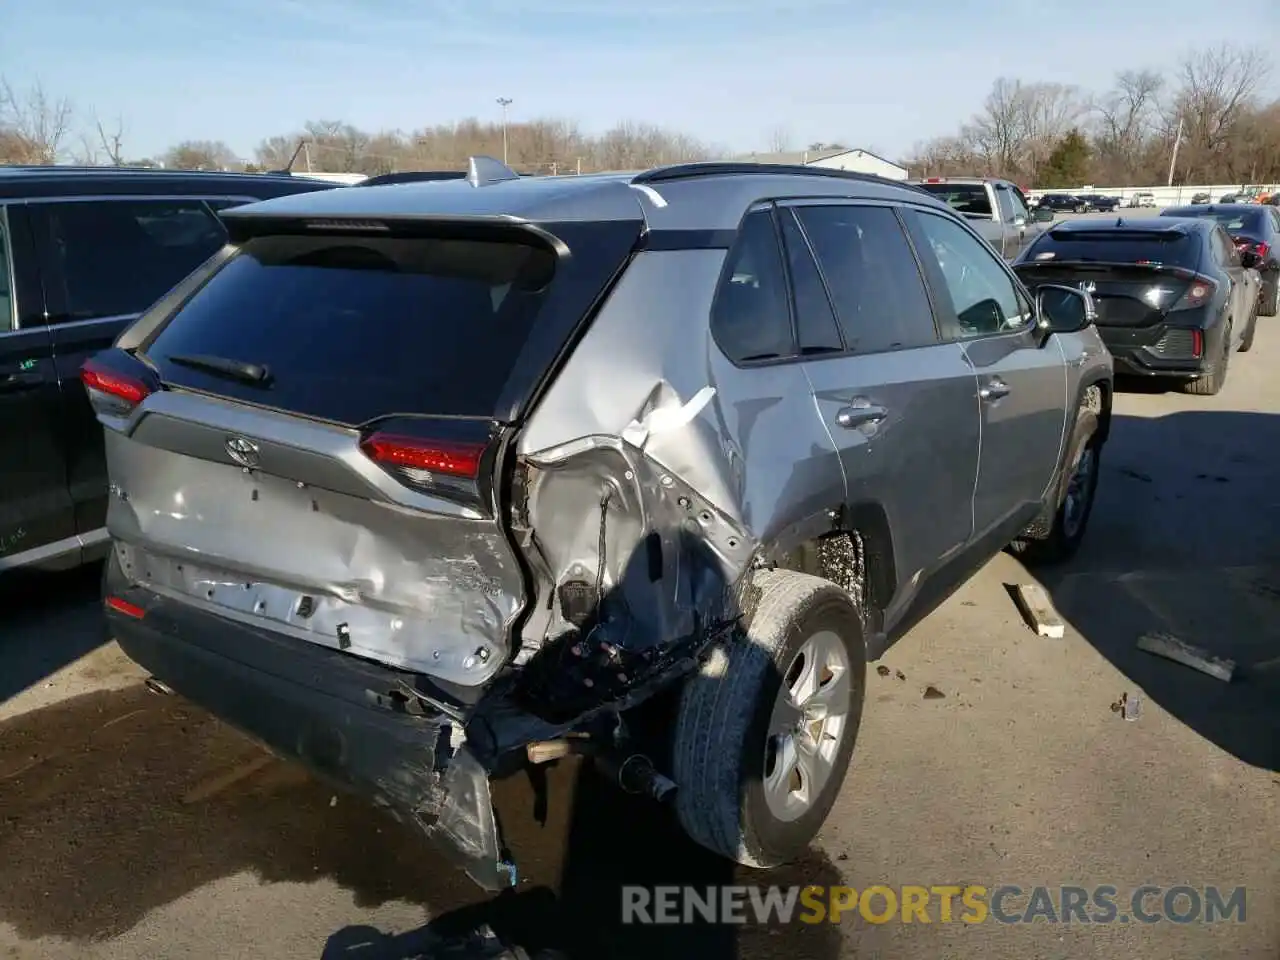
<point>36,522</point>
<point>898,402</point>
<point>106,260</point>
<point>1021,377</point>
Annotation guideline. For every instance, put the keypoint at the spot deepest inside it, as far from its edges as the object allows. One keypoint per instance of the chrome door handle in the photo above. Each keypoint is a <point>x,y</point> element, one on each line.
<point>859,413</point>
<point>993,390</point>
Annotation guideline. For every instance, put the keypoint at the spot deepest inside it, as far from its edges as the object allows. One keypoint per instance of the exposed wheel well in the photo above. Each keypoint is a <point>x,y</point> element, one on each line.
<point>1097,398</point>
<point>856,556</point>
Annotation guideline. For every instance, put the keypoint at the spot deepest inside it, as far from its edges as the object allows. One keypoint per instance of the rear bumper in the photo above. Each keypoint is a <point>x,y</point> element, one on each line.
<point>1157,351</point>
<point>345,719</point>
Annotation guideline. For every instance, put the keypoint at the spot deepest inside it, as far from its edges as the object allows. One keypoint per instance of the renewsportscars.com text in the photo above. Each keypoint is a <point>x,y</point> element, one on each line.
<point>1004,903</point>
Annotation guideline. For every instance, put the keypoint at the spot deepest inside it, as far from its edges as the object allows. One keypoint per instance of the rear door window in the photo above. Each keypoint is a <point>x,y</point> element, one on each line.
<point>868,265</point>
<point>117,257</point>
<point>816,327</point>
<point>353,328</point>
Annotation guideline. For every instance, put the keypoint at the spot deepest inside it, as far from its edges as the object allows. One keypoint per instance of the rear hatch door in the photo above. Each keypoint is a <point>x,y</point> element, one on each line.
<point>322,453</point>
<point>1135,276</point>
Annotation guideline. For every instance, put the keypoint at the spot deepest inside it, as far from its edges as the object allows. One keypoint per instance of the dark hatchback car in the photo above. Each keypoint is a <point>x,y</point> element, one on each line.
<point>1100,201</point>
<point>1254,228</point>
<point>1065,202</point>
<point>83,251</point>
<point>1174,297</point>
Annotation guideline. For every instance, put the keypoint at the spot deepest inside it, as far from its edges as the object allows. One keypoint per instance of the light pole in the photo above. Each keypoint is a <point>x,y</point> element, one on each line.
<point>504,102</point>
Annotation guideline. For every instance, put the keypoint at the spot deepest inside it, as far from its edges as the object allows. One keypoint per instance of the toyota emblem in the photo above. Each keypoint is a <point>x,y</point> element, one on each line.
<point>243,451</point>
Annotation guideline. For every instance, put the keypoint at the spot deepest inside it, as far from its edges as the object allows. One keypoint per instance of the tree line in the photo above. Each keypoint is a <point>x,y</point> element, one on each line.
<point>39,128</point>
<point>1212,105</point>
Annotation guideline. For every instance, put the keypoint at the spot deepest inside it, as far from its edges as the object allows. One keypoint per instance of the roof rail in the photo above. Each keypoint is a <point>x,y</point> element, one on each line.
<point>483,170</point>
<point>723,168</point>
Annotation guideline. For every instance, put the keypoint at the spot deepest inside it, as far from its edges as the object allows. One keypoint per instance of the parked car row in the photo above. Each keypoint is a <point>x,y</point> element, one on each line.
<point>414,484</point>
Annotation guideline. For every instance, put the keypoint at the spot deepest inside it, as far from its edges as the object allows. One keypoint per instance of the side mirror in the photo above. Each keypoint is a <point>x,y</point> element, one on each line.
<point>1249,260</point>
<point>1064,309</point>
<point>1042,215</point>
<point>1019,221</point>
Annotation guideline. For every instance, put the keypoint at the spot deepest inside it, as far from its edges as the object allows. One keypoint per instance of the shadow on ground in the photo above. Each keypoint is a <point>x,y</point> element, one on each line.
<point>116,803</point>
<point>1185,540</point>
<point>50,620</point>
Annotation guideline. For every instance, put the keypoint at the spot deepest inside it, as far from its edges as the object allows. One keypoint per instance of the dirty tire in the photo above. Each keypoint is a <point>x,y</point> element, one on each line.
<point>1050,542</point>
<point>1211,384</point>
<point>1247,343</point>
<point>1271,302</point>
<point>718,753</point>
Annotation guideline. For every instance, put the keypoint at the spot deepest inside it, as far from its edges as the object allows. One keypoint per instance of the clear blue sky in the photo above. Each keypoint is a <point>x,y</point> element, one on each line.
<point>882,74</point>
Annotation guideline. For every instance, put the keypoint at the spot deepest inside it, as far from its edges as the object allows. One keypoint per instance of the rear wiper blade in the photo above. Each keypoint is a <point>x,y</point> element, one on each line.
<point>252,373</point>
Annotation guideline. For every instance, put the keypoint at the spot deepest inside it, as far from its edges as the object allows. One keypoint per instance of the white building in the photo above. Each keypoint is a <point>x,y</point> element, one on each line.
<point>861,161</point>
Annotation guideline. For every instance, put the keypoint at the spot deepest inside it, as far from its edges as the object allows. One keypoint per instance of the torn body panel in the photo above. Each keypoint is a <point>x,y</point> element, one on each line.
<point>652,479</point>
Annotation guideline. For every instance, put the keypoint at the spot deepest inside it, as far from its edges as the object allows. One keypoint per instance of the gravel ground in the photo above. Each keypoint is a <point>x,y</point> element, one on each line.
<point>135,826</point>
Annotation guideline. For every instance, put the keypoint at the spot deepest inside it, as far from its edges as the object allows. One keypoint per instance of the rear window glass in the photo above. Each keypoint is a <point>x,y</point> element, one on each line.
<point>1116,246</point>
<point>352,328</point>
<point>1234,221</point>
<point>962,197</point>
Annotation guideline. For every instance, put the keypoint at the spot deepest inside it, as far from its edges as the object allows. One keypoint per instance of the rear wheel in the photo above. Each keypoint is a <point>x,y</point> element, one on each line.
<point>1057,536</point>
<point>1271,298</point>
<point>1211,383</point>
<point>765,731</point>
<point>1247,343</point>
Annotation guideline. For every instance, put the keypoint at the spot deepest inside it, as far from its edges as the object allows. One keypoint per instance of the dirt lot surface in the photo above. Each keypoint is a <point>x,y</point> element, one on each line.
<point>135,826</point>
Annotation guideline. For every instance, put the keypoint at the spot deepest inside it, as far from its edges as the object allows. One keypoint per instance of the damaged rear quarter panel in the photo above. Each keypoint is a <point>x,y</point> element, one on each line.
<point>649,427</point>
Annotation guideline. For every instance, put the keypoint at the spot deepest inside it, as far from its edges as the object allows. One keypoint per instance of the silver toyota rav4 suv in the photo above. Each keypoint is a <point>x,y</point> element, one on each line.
<point>422,483</point>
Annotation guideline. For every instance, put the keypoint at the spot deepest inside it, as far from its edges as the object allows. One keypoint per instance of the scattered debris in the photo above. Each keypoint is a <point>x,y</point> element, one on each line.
<point>1136,474</point>
<point>933,693</point>
<point>843,856</point>
<point>900,675</point>
<point>158,687</point>
<point>882,670</point>
<point>1171,648</point>
<point>1128,706</point>
<point>1038,611</point>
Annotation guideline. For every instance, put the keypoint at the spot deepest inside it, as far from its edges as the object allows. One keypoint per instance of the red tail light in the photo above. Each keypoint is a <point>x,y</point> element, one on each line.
<point>1261,248</point>
<point>1197,343</point>
<point>109,383</point>
<point>1200,290</point>
<point>125,607</point>
<point>451,459</point>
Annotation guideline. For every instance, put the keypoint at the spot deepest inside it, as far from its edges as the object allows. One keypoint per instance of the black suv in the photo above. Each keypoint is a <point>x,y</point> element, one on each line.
<point>83,251</point>
<point>1069,202</point>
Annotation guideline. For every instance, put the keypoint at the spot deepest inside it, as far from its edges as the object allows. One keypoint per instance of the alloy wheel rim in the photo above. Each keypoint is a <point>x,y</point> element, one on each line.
<point>807,726</point>
<point>1079,489</point>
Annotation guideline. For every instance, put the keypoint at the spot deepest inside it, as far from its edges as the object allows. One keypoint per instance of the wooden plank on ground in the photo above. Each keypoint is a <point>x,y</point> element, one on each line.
<point>1038,611</point>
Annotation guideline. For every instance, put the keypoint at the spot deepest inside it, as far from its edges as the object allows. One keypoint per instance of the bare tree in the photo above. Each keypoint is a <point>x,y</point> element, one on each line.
<point>1216,90</point>
<point>779,139</point>
<point>201,155</point>
<point>997,133</point>
<point>34,124</point>
<point>111,139</point>
<point>1126,118</point>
